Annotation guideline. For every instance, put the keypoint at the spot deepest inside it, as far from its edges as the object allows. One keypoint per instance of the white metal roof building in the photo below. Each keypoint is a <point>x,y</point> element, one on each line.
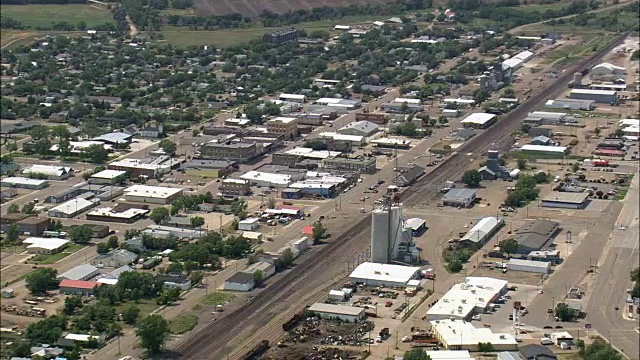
<point>152,194</point>
<point>72,207</point>
<point>458,334</point>
<point>344,313</point>
<point>390,142</point>
<point>542,267</point>
<point>312,154</point>
<point>293,97</point>
<point>483,230</point>
<point>479,120</point>
<point>265,179</point>
<point>52,172</point>
<point>524,56</point>
<point>408,101</point>
<point>108,214</point>
<point>388,275</point>
<point>45,245</point>
<point>599,96</point>
<point>357,140</point>
<point>360,128</point>
<point>560,150</point>
<point>135,167</point>
<point>24,183</point>
<point>449,355</point>
<point>464,300</point>
<point>341,103</point>
<point>107,177</point>
<point>458,101</point>
<point>80,272</point>
<point>114,138</point>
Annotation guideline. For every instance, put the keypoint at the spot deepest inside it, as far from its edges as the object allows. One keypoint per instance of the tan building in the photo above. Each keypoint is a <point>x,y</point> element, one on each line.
<point>235,187</point>
<point>284,126</point>
<point>229,151</point>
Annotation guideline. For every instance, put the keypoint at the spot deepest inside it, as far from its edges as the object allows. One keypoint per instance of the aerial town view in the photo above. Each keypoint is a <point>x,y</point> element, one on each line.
<point>320,180</point>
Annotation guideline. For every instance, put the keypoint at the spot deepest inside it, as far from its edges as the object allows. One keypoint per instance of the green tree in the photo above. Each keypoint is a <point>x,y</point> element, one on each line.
<point>12,146</point>
<point>509,246</point>
<point>454,266</point>
<point>196,277</point>
<point>239,208</point>
<point>541,177</point>
<point>130,314</point>
<point>168,146</point>
<point>271,203</point>
<point>315,144</point>
<point>41,280</point>
<point>416,354</point>
<point>57,225</point>
<point>258,277</point>
<point>21,348</point>
<point>635,277</point>
<point>575,167</point>
<point>13,233</point>
<point>13,208</point>
<point>102,248</point>
<point>197,221</point>
<point>80,234</point>
<point>522,164</point>
<point>286,257</point>
<point>195,132</point>
<point>95,153</point>
<point>600,349</point>
<point>28,208</point>
<point>112,242</point>
<point>64,146</point>
<point>565,313</point>
<point>71,303</point>
<point>159,214</point>
<point>471,178</point>
<point>153,331</point>
<point>485,347</point>
<point>168,296</point>
<point>319,232</point>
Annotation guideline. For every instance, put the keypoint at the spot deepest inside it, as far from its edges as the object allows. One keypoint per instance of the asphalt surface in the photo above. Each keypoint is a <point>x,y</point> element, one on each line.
<point>217,339</point>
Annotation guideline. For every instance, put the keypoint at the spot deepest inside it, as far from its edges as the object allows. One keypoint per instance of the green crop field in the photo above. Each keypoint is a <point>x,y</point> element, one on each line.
<point>46,15</point>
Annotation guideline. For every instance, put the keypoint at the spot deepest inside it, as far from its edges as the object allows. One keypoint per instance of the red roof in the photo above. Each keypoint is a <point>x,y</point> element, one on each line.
<point>78,284</point>
<point>609,152</point>
<point>307,230</point>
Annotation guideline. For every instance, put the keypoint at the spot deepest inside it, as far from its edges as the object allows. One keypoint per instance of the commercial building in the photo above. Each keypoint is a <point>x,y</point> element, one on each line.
<point>86,191</point>
<point>249,224</point>
<point>462,335</point>
<point>337,312</point>
<point>123,213</point>
<point>293,98</point>
<point>599,96</point>
<point>540,140</point>
<point>607,71</point>
<point>78,287</point>
<point>393,143</point>
<point>45,245</point>
<point>108,177</point>
<point>509,355</point>
<point>479,120</point>
<point>240,281</point>
<point>566,200</point>
<point>237,151</point>
<point>464,300</point>
<point>209,168</point>
<point>543,149</point>
<point>541,267</point>
<point>459,197</point>
<point>387,275</point>
<point>408,175</point>
<point>463,134</point>
<point>80,272</point>
<point>163,232</point>
<point>359,128</point>
<point>28,225</point>
<point>152,194</point>
<point>481,232</point>
<point>339,103</point>
<point>24,183</point>
<point>51,172</point>
<point>282,36</point>
<point>417,226</point>
<point>376,118</point>
<point>355,140</point>
<point>265,179</point>
<point>268,269</point>
<point>571,104</point>
<point>545,255</point>
<point>114,138</point>
<point>535,235</point>
<point>72,208</point>
<point>114,258</point>
<point>137,168</point>
<point>235,187</point>
<point>362,165</point>
<point>547,117</point>
<point>287,126</point>
<point>111,278</point>
<point>448,355</point>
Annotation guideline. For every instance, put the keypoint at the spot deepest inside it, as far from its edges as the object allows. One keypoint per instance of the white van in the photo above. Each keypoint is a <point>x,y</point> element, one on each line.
<point>546,341</point>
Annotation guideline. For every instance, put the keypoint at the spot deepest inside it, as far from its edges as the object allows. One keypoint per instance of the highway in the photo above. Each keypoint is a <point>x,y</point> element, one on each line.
<point>302,282</point>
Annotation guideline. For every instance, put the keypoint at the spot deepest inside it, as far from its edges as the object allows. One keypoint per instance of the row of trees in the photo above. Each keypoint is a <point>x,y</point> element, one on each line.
<point>526,189</point>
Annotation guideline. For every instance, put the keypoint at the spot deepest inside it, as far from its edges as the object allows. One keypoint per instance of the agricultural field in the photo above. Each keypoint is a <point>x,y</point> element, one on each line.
<point>253,8</point>
<point>46,15</point>
<point>10,37</point>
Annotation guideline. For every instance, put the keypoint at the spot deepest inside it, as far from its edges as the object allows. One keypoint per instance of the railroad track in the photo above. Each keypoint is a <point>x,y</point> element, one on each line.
<point>213,341</point>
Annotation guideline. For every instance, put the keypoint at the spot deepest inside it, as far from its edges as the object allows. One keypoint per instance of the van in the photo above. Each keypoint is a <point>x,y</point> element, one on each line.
<point>546,341</point>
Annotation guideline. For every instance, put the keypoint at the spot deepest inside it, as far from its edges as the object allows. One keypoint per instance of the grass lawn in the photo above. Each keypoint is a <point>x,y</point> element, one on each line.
<point>50,259</point>
<point>622,193</point>
<point>217,298</point>
<point>183,323</point>
<point>45,15</point>
<point>183,36</point>
<point>147,306</point>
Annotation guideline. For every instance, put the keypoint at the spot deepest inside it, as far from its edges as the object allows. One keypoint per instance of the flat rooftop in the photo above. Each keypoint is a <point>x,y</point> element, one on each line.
<point>463,298</point>
<point>108,174</point>
<point>567,197</point>
<point>151,191</point>
<point>384,272</point>
<point>336,309</point>
<point>458,332</point>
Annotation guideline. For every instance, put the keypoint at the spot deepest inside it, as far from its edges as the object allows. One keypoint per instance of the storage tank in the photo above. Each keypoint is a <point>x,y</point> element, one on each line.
<point>577,79</point>
<point>386,231</point>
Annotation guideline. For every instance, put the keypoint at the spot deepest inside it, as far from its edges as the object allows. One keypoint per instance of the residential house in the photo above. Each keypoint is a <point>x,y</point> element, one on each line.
<point>152,130</point>
<point>114,258</point>
<point>175,281</point>
<point>240,281</point>
<point>408,175</point>
<point>537,352</point>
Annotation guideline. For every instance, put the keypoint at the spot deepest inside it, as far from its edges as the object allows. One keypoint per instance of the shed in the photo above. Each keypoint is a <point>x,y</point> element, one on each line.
<point>252,235</point>
<point>542,267</point>
<point>249,224</point>
<point>459,197</point>
<point>337,295</point>
<point>341,312</point>
<point>566,200</point>
<point>417,226</point>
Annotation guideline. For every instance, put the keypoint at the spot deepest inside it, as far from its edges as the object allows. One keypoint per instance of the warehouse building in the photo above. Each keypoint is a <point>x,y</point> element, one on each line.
<point>114,258</point>
<point>408,175</point>
<point>163,232</point>
<point>209,167</point>
<point>45,245</point>
<point>122,213</point>
<point>535,235</point>
<point>607,71</point>
<point>337,312</point>
<point>464,300</point>
<point>393,143</point>
<point>24,183</point>
<point>268,269</point>
<point>355,140</point>
<point>386,275</point>
<point>265,179</point>
<point>481,232</point>
<point>362,165</point>
<point>544,149</point>
<point>137,168</point>
<point>459,197</point>
<point>599,96</point>
<point>28,225</point>
<point>108,177</point>
<point>479,120</point>
<point>240,281</point>
<point>571,104</point>
<point>51,172</point>
<point>297,98</point>
<point>359,128</point>
<point>540,267</point>
<point>566,200</point>
<point>339,103</point>
<point>462,335</point>
<point>152,194</point>
<point>72,208</point>
<point>78,287</point>
<point>80,272</point>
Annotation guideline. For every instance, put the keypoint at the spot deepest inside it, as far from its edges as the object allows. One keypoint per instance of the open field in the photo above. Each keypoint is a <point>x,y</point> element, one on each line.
<point>183,36</point>
<point>253,8</point>
<point>217,298</point>
<point>53,258</point>
<point>183,323</point>
<point>10,37</point>
<point>568,54</point>
<point>46,15</point>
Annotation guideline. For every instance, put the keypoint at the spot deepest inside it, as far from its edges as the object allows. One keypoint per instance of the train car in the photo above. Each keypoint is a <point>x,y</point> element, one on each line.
<point>258,350</point>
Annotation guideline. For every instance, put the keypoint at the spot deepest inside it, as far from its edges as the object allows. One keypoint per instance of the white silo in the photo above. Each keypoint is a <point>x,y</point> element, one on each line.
<point>387,231</point>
